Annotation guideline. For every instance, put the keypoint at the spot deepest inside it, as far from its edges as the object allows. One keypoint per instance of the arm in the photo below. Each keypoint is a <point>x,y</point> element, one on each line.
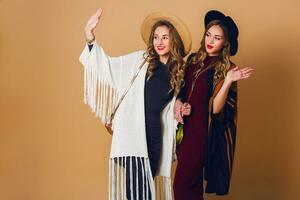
<point>233,75</point>
<point>95,61</point>
<point>103,74</point>
<point>180,108</point>
<point>220,98</point>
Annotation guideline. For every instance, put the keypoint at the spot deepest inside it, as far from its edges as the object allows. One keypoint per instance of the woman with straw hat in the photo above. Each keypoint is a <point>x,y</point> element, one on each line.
<point>138,92</point>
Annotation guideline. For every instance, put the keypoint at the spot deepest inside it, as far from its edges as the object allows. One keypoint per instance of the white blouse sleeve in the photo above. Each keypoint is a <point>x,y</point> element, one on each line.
<point>103,76</point>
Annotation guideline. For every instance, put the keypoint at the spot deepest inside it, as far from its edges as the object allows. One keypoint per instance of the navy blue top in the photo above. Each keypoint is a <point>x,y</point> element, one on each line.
<point>157,94</point>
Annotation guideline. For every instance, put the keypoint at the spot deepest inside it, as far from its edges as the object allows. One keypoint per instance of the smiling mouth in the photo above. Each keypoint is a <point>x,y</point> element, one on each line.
<point>160,48</point>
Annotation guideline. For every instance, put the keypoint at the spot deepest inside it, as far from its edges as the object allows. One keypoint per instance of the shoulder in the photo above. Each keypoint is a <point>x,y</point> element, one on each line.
<point>190,60</point>
<point>191,57</point>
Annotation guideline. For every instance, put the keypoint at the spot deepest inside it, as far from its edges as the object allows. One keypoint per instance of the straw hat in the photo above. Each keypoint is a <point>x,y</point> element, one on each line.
<point>181,28</point>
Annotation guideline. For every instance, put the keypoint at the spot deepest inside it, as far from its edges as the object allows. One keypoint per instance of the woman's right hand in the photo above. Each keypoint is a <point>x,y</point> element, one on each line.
<point>186,109</point>
<point>91,25</point>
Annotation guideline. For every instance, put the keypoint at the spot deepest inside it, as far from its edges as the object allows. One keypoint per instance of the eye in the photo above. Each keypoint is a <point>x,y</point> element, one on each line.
<point>207,34</point>
<point>165,37</point>
<point>217,38</point>
<point>155,37</point>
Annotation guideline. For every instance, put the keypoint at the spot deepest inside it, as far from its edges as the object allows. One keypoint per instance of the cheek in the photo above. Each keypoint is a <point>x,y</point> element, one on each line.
<point>219,45</point>
<point>168,44</point>
<point>206,41</point>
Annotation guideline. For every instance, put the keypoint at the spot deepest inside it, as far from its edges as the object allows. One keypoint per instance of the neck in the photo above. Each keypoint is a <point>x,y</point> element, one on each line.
<point>164,58</point>
<point>214,54</point>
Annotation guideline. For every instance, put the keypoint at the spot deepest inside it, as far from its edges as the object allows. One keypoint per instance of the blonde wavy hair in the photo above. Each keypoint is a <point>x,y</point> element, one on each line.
<point>223,63</point>
<point>175,62</point>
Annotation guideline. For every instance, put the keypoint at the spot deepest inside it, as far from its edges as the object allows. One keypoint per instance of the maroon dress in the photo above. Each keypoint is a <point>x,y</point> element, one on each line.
<point>188,182</point>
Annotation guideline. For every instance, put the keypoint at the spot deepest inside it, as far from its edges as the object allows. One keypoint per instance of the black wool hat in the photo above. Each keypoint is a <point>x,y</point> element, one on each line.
<point>233,31</point>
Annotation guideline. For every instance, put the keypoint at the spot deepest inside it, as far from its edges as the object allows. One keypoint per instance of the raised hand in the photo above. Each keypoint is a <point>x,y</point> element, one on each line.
<point>236,73</point>
<point>91,25</point>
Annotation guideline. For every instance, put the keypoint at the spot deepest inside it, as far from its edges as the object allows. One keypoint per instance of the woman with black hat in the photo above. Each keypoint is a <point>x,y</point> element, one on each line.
<point>207,106</point>
<point>143,86</point>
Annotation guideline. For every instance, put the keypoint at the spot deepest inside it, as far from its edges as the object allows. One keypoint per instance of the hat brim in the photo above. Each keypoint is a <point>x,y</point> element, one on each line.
<point>181,28</point>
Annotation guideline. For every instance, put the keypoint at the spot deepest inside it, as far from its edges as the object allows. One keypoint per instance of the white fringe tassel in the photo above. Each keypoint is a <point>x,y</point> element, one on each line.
<point>99,94</point>
<point>140,183</point>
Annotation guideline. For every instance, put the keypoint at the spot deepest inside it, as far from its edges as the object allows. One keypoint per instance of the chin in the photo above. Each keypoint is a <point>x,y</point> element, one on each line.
<point>162,53</point>
<point>209,51</point>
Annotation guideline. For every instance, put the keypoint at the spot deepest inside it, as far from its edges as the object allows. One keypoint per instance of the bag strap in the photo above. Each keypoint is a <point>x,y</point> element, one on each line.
<point>195,79</point>
<point>126,91</point>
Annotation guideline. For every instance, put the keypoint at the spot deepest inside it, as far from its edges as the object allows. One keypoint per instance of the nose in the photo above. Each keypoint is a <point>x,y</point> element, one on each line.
<point>210,40</point>
<point>160,41</point>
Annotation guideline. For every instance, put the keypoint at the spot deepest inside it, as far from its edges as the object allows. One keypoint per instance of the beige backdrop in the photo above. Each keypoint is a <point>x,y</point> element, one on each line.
<point>53,148</point>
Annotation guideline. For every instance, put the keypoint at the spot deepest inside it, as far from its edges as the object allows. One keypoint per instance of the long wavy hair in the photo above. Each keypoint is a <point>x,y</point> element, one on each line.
<point>175,62</point>
<point>223,63</point>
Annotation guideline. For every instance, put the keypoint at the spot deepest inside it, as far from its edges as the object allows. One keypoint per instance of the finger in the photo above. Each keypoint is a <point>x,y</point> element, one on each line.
<point>236,68</point>
<point>187,112</point>
<point>245,77</point>
<point>247,73</point>
<point>98,12</point>
<point>185,109</point>
<point>181,114</point>
<point>180,120</point>
<point>245,70</point>
<point>185,104</point>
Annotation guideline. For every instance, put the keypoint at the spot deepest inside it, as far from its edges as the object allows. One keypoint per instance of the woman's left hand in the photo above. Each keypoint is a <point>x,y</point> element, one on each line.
<point>177,111</point>
<point>236,73</point>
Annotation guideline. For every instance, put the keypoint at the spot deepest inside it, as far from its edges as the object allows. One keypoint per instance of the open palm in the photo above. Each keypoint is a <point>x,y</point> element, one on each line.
<point>236,73</point>
<point>92,23</point>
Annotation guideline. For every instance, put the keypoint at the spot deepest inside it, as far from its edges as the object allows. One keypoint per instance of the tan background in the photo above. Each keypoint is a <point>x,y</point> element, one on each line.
<point>53,148</point>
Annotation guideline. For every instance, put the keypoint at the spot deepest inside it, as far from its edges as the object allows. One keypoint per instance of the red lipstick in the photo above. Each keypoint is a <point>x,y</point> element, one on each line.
<point>160,48</point>
<point>209,46</point>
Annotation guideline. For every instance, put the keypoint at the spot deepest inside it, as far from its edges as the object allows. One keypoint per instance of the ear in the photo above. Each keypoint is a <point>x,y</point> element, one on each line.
<point>226,44</point>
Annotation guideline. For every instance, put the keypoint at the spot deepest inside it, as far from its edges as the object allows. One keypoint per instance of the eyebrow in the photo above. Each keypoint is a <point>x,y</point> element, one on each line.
<point>162,35</point>
<point>215,35</point>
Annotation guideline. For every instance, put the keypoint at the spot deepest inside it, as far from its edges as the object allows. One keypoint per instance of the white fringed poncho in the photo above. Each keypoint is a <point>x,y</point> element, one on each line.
<point>105,79</point>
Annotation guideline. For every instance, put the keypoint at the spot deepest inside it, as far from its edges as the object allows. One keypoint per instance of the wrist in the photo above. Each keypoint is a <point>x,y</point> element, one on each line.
<point>89,36</point>
<point>90,41</point>
<point>178,102</point>
<point>228,81</point>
